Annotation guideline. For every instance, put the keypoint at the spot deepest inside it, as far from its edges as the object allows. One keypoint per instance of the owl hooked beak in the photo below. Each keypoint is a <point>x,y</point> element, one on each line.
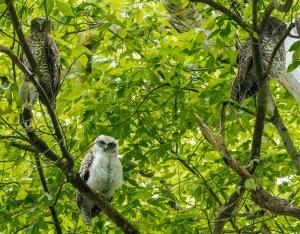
<point>40,27</point>
<point>109,146</point>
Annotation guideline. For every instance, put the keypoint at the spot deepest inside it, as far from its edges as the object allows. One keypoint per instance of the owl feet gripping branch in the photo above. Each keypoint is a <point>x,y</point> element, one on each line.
<point>102,171</point>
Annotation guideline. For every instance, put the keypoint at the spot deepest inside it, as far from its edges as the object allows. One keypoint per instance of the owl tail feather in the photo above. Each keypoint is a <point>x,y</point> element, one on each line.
<point>87,218</point>
<point>26,118</point>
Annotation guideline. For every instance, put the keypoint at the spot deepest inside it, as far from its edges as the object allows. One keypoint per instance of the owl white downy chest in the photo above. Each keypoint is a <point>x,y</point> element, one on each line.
<point>102,171</point>
<point>105,174</point>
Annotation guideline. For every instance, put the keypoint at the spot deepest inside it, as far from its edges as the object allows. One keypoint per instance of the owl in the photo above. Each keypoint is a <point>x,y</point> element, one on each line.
<point>102,171</point>
<point>246,83</point>
<point>46,55</point>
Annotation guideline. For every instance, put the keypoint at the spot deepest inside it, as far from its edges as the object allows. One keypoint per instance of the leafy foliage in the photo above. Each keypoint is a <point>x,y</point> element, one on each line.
<point>127,73</point>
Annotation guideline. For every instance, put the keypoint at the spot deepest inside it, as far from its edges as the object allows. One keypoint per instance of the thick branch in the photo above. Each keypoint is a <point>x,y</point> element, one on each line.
<point>99,200</point>
<point>44,148</point>
<point>26,147</point>
<point>263,89</point>
<point>217,143</point>
<point>15,60</point>
<point>228,207</point>
<point>232,202</point>
<point>273,204</point>
<point>275,4</point>
<point>15,21</point>
<point>46,190</point>
<point>284,134</point>
<point>259,195</point>
<point>226,11</point>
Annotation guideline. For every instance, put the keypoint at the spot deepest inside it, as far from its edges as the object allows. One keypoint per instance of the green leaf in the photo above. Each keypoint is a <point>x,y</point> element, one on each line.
<point>250,184</point>
<point>293,66</point>
<point>295,46</point>
<point>139,16</point>
<point>64,8</point>
<point>49,6</point>
<point>255,35</point>
<point>49,196</point>
<point>21,194</point>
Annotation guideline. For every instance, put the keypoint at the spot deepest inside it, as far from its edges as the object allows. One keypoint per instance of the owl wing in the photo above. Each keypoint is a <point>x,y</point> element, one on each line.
<point>84,173</point>
<point>243,84</point>
<point>53,64</point>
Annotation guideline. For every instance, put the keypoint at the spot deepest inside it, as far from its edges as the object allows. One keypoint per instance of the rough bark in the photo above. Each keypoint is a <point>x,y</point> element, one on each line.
<point>258,195</point>
<point>284,134</point>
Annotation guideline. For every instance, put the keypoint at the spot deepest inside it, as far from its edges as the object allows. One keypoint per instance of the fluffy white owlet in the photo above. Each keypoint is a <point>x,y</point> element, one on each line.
<point>102,171</point>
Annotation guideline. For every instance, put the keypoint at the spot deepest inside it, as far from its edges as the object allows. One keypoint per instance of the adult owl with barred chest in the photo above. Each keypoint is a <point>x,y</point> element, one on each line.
<point>102,171</point>
<point>45,52</point>
<point>246,83</point>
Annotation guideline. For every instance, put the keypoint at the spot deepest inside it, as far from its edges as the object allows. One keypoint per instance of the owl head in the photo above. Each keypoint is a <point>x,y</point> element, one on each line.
<point>107,144</point>
<point>275,27</point>
<point>40,24</point>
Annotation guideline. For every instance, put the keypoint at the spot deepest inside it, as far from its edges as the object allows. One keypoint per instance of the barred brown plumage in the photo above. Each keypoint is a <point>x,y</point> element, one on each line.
<point>246,84</point>
<point>45,52</point>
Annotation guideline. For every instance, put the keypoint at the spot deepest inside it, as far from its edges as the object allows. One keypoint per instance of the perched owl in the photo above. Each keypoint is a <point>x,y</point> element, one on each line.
<point>46,55</point>
<point>102,171</point>
<point>246,83</point>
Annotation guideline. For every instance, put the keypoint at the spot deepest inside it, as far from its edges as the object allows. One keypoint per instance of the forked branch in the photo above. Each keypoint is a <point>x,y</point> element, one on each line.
<point>258,195</point>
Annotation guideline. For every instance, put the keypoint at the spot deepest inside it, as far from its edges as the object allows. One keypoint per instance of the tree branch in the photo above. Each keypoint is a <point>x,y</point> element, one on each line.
<point>15,60</point>
<point>228,207</point>
<point>263,89</point>
<point>16,23</point>
<point>274,204</point>
<point>99,200</point>
<point>284,134</point>
<point>258,195</point>
<point>25,147</point>
<point>46,190</point>
<point>275,4</point>
<point>231,203</point>
<point>217,143</point>
<point>226,11</point>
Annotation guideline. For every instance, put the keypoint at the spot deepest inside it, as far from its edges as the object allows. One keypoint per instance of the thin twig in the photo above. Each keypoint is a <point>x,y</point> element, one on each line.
<point>46,190</point>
